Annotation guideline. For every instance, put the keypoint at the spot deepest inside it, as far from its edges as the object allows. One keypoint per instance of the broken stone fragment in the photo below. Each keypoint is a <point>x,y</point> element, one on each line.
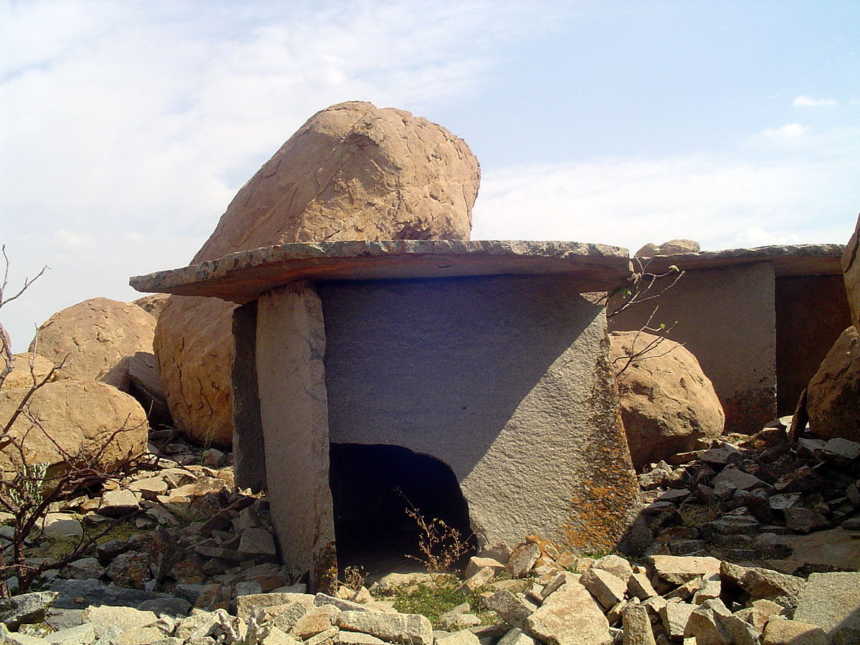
<point>26,608</point>
<point>570,616</point>
<point>703,625</point>
<point>781,631</point>
<point>674,616</point>
<point>513,608</point>
<point>523,558</point>
<point>257,541</point>
<point>406,629</point>
<point>676,570</point>
<point>616,565</point>
<point>479,578</point>
<point>640,587</point>
<point>458,638</point>
<point>476,563</point>
<point>516,636</point>
<point>606,587</point>
<point>637,626</point>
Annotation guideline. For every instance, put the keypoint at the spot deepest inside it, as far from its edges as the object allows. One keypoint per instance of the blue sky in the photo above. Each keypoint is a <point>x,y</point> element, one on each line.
<point>127,127</point>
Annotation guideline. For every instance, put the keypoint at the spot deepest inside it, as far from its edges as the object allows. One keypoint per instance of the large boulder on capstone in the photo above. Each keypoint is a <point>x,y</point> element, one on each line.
<point>668,405</point>
<point>78,416</point>
<point>96,338</point>
<point>833,393</point>
<point>672,247</point>
<point>153,303</point>
<point>851,273</point>
<point>351,172</point>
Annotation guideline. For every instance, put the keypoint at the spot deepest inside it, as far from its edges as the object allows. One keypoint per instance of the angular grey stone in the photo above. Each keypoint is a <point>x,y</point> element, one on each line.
<point>84,568</point>
<point>106,619</point>
<point>782,501</point>
<point>605,586</point>
<point>356,638</point>
<point>640,587</point>
<point>675,616</point>
<point>477,563</point>
<point>831,601</point>
<point>327,636</point>
<point>512,608</point>
<point>322,599</point>
<point>704,626</point>
<point>516,636</point>
<point>479,578</point>
<point>247,606</point>
<point>406,629</point>
<point>522,559</point>
<point>25,608</point>
<point>842,449</point>
<point>116,503</point>
<point>676,570</point>
<point>167,606</point>
<point>570,616</point>
<point>736,479</point>
<point>637,626</point>
<point>616,565</point>
<point>804,520</point>
<point>257,541</point>
<point>763,583</point>
<point>81,635</point>
<point>458,638</point>
<point>781,631</point>
<point>62,526</point>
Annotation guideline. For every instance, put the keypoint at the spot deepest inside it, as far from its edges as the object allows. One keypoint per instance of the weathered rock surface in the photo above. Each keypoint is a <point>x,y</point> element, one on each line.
<point>831,601</point>
<point>671,247</point>
<point>21,377</point>
<point>79,416</point>
<point>351,172</point>
<point>833,392</point>
<point>96,338</point>
<point>667,403</point>
<point>851,273</point>
<point>153,304</point>
<point>570,616</point>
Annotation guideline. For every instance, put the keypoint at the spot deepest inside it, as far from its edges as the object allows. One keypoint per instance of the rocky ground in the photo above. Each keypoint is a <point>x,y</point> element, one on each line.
<point>753,542</point>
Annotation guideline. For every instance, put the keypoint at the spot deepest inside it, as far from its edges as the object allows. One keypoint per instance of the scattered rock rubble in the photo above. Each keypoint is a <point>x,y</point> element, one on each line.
<point>197,565</point>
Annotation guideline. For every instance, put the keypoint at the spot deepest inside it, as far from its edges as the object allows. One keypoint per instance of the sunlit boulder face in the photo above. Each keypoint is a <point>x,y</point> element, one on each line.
<point>668,405</point>
<point>351,172</point>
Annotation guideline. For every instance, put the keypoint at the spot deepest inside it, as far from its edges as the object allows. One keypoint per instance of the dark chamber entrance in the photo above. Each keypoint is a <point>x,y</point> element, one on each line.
<point>372,486</point>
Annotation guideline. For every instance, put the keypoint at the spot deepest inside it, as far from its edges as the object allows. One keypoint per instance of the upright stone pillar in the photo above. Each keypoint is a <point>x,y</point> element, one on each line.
<point>294,412</point>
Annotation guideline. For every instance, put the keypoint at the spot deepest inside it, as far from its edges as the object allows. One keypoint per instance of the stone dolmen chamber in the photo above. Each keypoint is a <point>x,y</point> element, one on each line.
<point>759,321</point>
<point>482,365</point>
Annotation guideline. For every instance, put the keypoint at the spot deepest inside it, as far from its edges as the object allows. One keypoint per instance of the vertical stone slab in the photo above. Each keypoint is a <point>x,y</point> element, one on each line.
<point>249,455</point>
<point>293,402</point>
<point>726,317</point>
<point>506,379</point>
<point>811,313</point>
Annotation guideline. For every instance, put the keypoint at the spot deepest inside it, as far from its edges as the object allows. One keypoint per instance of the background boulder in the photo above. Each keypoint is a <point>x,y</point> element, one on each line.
<point>78,415</point>
<point>20,376</point>
<point>851,273</point>
<point>668,405</point>
<point>96,337</point>
<point>833,394</point>
<point>351,172</point>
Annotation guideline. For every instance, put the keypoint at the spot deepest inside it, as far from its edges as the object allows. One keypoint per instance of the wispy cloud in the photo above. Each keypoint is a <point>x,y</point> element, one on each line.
<point>128,127</point>
<point>723,202</point>
<point>808,101</point>
<point>787,131</point>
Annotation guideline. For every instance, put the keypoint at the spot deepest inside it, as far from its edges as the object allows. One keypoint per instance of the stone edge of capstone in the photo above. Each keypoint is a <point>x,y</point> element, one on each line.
<point>161,281</point>
<point>772,253</point>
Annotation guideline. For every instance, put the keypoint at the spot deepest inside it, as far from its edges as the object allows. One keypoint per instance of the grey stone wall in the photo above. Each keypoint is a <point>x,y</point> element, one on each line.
<point>811,313</point>
<point>505,379</point>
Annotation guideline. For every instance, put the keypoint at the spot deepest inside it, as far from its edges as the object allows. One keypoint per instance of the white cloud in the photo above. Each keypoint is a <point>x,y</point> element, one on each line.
<point>720,202</point>
<point>122,120</point>
<point>808,101</point>
<point>787,131</point>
